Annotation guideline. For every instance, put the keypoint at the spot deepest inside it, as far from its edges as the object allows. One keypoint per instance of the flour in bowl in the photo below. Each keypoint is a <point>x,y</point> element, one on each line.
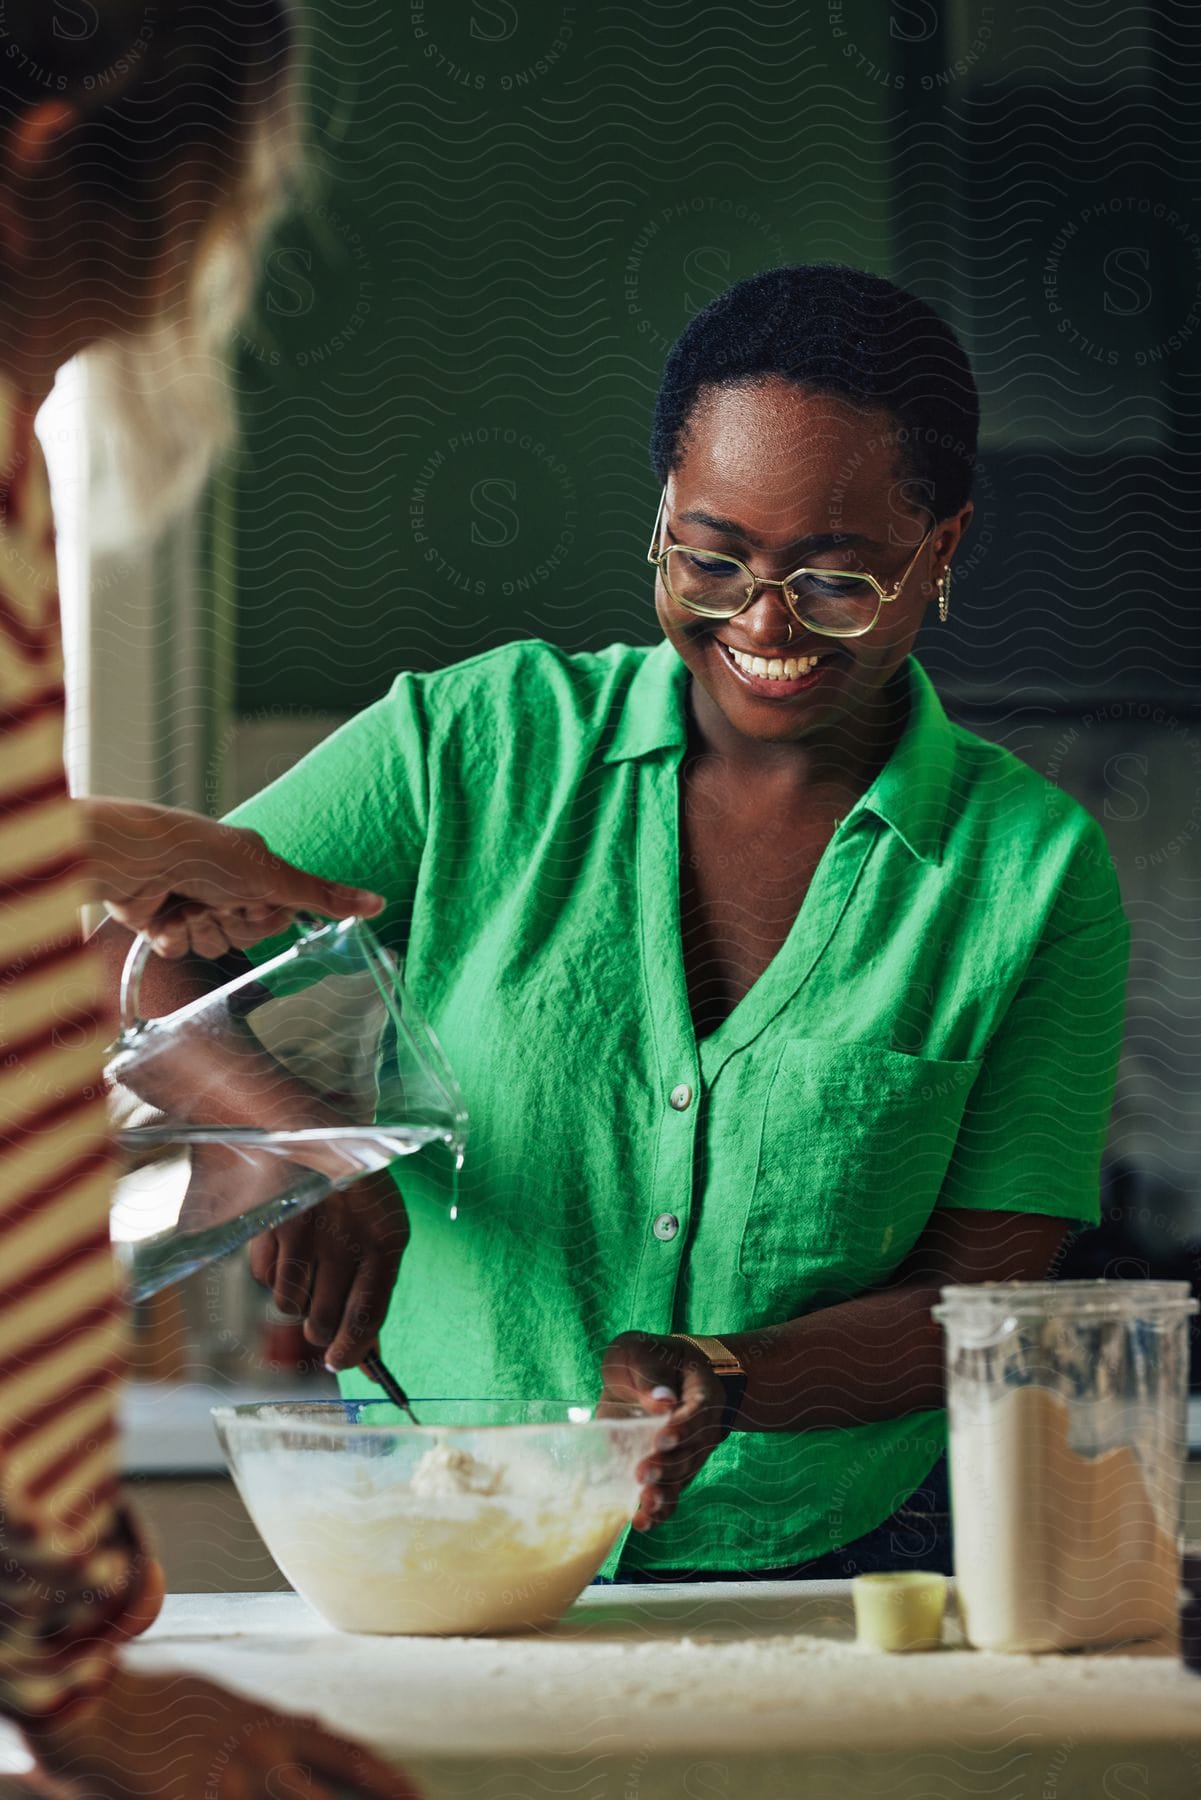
<point>444,1472</point>
<point>463,1546</point>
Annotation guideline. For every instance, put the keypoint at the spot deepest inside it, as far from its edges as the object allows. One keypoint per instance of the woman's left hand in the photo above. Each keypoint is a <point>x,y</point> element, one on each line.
<point>665,1376</point>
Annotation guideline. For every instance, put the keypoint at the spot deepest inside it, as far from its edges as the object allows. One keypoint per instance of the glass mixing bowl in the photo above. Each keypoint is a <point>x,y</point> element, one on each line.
<point>490,1516</point>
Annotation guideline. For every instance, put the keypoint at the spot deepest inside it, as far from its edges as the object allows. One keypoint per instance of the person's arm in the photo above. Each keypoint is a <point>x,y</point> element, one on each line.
<point>875,1357</point>
<point>1025,1171</point>
<point>196,885</point>
<point>177,1736</point>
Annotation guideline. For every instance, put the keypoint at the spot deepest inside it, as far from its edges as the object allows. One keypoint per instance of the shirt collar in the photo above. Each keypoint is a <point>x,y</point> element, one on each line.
<point>652,715</point>
<point>912,790</point>
<point>909,794</point>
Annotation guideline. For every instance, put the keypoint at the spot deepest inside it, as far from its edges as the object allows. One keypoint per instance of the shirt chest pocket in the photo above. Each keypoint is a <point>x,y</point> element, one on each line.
<point>854,1143</point>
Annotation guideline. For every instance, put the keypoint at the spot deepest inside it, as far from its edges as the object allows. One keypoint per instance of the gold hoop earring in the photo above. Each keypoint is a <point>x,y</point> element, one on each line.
<point>944,595</point>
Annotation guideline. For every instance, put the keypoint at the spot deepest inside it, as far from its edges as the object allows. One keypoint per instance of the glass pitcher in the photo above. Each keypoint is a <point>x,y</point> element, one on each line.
<point>1066,1402</point>
<point>253,1102</point>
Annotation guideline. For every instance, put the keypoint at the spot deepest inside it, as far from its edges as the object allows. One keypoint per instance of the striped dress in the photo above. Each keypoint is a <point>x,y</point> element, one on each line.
<point>69,1556</point>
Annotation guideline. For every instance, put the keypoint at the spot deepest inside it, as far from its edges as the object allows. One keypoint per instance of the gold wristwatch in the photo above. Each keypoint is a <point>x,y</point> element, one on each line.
<point>727,1368</point>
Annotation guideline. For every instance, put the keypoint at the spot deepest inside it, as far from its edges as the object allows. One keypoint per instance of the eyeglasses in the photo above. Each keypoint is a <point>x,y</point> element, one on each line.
<point>833,602</point>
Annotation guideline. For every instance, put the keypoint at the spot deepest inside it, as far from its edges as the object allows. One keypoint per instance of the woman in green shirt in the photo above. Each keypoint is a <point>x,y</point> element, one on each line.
<point>776,999</point>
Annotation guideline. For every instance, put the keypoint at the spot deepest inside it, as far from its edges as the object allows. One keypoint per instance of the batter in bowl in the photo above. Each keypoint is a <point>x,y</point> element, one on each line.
<point>465,1547</point>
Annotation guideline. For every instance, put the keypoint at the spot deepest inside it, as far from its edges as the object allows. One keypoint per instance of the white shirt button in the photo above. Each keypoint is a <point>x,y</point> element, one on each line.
<point>681,1097</point>
<point>666,1227</point>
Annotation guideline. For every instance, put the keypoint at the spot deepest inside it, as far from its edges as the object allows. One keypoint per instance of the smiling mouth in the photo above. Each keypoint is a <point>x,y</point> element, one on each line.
<point>776,668</point>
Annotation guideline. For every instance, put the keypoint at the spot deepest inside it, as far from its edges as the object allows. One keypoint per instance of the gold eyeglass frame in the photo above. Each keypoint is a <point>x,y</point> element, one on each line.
<point>883,596</point>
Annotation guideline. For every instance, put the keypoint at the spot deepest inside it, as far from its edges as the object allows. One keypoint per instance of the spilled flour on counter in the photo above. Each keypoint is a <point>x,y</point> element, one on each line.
<point>463,1547</point>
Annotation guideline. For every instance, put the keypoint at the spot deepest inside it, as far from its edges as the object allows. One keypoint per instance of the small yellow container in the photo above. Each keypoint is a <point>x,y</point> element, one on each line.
<point>901,1610</point>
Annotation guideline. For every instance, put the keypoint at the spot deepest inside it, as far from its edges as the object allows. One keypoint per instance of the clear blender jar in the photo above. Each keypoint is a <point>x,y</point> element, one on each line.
<point>1067,1405</point>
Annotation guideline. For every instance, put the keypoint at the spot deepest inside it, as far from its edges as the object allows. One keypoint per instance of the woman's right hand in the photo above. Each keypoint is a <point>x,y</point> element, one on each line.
<point>335,1266</point>
<point>178,1737</point>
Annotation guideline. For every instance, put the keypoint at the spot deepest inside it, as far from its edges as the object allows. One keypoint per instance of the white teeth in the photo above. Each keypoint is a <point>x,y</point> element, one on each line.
<point>778,669</point>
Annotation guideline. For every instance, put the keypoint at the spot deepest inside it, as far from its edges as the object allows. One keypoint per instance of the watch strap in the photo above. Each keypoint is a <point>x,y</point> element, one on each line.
<point>720,1355</point>
<point>727,1368</point>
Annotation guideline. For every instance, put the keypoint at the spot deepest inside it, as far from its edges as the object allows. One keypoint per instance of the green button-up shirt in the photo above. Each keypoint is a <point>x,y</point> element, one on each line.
<point>941,1028</point>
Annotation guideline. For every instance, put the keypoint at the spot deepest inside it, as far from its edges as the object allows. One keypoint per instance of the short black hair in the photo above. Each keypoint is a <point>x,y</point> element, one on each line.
<point>842,331</point>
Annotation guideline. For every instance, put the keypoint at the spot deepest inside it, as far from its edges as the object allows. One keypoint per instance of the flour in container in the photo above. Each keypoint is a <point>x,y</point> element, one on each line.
<point>1055,1549</point>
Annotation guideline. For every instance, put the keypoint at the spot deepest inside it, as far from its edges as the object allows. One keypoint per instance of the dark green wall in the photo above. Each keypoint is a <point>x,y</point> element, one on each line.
<point>511,210</point>
<point>510,214</point>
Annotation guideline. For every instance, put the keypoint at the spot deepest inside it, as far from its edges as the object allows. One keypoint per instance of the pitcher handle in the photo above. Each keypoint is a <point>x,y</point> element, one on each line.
<point>140,952</point>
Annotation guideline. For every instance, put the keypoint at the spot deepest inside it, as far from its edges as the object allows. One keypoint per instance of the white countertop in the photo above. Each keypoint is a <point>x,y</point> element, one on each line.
<point>748,1691</point>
